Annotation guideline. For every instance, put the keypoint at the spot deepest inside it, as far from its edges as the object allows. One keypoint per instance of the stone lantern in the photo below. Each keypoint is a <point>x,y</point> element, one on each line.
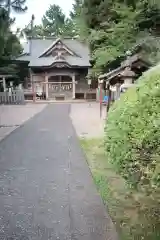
<point>128,77</point>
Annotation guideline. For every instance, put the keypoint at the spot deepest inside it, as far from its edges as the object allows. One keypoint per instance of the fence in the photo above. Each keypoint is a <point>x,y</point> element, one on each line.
<point>14,97</point>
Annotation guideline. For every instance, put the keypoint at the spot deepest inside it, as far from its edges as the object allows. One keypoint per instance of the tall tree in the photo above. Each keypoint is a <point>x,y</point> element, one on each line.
<point>54,23</point>
<point>117,25</point>
<point>10,46</point>
<point>76,9</point>
<point>15,5</point>
<point>37,31</point>
<point>54,20</point>
<point>77,17</point>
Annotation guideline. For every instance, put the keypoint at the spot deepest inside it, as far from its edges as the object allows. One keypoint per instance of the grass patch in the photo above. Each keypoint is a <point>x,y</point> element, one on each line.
<point>123,205</point>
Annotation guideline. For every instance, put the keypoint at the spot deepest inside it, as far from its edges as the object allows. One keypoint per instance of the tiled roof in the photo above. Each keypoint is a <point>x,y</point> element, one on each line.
<point>120,70</point>
<point>36,47</point>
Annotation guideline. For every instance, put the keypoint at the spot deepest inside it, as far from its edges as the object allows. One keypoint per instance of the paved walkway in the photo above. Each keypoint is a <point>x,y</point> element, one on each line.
<point>46,190</point>
<point>13,116</point>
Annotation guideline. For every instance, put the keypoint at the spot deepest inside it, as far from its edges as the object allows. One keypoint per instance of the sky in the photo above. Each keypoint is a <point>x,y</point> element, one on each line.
<point>38,8</point>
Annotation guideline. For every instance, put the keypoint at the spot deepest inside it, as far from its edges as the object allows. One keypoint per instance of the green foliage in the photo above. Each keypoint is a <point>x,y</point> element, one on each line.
<point>54,20</point>
<point>116,26</point>
<point>132,145</point>
<point>9,44</point>
<point>109,44</point>
<point>132,134</point>
<point>55,23</point>
<point>15,5</point>
<point>9,47</point>
<point>37,31</point>
<point>135,215</point>
<point>76,9</point>
<point>150,46</point>
<point>78,19</point>
<point>68,28</point>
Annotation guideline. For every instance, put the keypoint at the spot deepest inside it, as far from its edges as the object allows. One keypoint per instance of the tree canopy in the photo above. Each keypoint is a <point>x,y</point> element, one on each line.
<point>54,20</point>
<point>110,28</point>
<point>116,26</point>
<point>10,46</point>
<point>56,23</point>
<point>15,5</point>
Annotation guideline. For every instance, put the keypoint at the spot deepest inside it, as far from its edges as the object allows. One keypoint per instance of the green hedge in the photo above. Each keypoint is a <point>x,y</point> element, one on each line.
<point>133,132</point>
<point>132,143</point>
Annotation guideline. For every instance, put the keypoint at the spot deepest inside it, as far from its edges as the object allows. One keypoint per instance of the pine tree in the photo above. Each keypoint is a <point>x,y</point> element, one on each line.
<point>15,5</point>
<point>54,20</point>
<point>9,45</point>
<point>118,25</point>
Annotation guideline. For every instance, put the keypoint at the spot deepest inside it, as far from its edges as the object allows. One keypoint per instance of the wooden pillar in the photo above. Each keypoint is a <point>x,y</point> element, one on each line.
<point>4,84</point>
<point>73,86</point>
<point>100,96</point>
<point>109,96</point>
<point>118,91</point>
<point>60,83</point>
<point>46,84</point>
<point>32,85</point>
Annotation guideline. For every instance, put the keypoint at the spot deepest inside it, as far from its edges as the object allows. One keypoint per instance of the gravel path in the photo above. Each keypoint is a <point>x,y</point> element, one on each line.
<point>86,119</point>
<point>46,190</point>
<point>13,116</point>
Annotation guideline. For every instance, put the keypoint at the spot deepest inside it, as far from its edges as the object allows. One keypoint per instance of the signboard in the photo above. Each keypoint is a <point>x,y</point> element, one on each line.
<point>59,87</point>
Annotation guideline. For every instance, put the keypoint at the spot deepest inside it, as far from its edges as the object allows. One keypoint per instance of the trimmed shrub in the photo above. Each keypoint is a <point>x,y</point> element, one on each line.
<point>132,143</point>
<point>133,132</point>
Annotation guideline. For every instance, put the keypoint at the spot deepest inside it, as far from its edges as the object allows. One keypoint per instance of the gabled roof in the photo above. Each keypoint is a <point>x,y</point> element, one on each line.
<point>38,49</point>
<point>133,59</point>
<point>120,70</point>
<point>53,46</point>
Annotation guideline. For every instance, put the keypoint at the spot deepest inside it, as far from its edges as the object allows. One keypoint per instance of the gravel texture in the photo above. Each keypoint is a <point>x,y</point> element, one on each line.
<point>13,116</point>
<point>86,119</point>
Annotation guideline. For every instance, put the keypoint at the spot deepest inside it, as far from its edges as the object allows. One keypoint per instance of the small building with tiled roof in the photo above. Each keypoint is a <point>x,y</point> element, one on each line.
<point>123,77</point>
<point>58,66</point>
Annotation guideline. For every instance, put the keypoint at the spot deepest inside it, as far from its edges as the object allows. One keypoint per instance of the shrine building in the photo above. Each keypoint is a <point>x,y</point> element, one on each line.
<point>58,68</point>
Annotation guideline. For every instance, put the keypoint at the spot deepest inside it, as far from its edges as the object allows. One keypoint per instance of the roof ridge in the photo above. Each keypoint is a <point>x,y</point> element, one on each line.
<point>68,49</point>
<point>50,37</point>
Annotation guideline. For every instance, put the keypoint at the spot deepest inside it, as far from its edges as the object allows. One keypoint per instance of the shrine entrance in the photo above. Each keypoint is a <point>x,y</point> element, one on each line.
<point>60,87</point>
<point>54,86</point>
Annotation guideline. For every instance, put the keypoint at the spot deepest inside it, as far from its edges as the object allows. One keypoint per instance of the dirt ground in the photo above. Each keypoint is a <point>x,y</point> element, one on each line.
<point>13,116</point>
<point>86,119</point>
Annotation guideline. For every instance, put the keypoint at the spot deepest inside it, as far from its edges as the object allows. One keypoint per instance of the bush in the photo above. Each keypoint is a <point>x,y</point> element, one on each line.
<point>132,142</point>
<point>133,132</point>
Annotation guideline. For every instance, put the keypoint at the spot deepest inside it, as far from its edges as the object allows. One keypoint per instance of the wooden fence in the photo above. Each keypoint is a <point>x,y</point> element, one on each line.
<point>14,97</point>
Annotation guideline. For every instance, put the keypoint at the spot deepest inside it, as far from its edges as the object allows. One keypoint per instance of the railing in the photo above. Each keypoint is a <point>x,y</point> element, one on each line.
<point>14,97</point>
